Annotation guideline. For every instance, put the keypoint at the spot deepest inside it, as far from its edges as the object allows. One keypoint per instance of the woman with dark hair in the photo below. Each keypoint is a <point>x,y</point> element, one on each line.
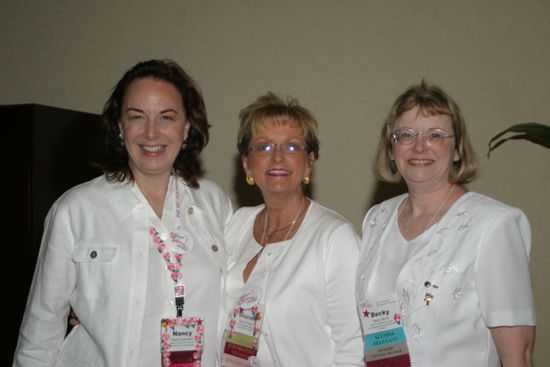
<point>443,275</point>
<point>138,252</point>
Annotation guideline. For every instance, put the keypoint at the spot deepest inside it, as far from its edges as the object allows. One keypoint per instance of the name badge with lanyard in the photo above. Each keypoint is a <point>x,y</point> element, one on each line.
<point>383,335</point>
<point>242,335</point>
<point>181,338</point>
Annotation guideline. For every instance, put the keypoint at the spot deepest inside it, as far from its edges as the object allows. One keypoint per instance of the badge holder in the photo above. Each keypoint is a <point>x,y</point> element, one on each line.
<point>242,335</point>
<point>181,342</point>
<point>383,335</point>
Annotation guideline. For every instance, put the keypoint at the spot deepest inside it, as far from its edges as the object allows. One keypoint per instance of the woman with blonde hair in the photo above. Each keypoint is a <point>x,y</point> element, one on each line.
<point>289,289</point>
<point>443,276</point>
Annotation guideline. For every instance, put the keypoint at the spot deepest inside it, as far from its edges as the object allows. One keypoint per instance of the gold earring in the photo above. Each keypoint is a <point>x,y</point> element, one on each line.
<point>250,180</point>
<point>306,180</point>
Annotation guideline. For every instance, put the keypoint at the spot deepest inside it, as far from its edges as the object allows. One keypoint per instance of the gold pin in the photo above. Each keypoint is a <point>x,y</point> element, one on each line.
<point>428,297</point>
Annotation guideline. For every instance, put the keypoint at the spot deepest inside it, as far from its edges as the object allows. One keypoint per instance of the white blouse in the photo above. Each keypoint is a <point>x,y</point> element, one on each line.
<point>477,255</point>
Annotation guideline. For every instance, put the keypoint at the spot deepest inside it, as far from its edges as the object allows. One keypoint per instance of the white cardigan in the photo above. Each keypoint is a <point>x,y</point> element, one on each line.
<point>94,257</point>
<point>310,317</point>
<point>477,255</point>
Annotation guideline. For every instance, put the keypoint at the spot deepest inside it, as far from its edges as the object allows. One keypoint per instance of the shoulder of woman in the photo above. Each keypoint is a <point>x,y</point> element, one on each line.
<point>325,219</point>
<point>482,214</point>
<point>387,204</point>
<point>240,220</point>
<point>85,191</point>
<point>245,212</point>
<point>208,192</point>
<point>90,196</point>
<point>319,210</point>
<point>485,206</point>
<point>385,208</point>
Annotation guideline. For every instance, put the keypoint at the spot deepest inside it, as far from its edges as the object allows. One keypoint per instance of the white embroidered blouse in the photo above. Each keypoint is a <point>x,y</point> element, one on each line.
<point>474,263</point>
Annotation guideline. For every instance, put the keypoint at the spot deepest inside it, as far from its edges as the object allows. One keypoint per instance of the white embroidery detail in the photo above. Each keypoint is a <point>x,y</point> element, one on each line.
<point>457,293</point>
<point>451,270</point>
<point>463,227</point>
<point>406,296</point>
<point>416,331</point>
<point>442,231</point>
<point>431,253</point>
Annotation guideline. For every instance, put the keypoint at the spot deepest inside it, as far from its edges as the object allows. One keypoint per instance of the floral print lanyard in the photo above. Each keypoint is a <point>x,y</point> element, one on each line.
<point>181,338</point>
<point>173,260</point>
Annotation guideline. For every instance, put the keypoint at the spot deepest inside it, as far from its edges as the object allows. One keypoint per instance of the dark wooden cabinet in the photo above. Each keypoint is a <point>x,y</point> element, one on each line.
<point>46,151</point>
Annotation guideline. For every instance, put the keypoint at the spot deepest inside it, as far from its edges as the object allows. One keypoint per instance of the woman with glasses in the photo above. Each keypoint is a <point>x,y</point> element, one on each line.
<point>289,288</point>
<point>443,277</point>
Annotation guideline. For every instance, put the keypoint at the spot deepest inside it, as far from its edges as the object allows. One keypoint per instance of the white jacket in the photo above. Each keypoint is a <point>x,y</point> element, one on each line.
<point>94,257</point>
<point>310,317</point>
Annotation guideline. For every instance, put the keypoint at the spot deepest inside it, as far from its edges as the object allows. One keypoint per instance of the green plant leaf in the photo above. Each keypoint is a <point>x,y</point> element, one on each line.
<point>532,131</point>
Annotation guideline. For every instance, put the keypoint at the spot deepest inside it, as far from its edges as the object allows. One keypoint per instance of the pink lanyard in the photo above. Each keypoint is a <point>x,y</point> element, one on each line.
<point>173,260</point>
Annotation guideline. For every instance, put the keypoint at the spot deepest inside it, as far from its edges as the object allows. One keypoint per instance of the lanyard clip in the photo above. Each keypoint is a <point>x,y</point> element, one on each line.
<point>179,292</point>
<point>180,301</point>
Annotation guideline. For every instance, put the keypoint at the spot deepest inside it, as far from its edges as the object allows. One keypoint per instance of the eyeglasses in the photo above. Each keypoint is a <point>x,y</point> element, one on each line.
<point>406,136</point>
<point>269,148</point>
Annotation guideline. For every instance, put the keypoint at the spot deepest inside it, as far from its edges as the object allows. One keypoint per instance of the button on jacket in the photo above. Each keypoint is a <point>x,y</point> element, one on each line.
<point>94,257</point>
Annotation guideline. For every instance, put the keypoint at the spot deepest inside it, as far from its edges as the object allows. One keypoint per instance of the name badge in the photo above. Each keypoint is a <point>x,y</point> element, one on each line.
<point>181,342</point>
<point>383,334</point>
<point>242,334</point>
<point>182,241</point>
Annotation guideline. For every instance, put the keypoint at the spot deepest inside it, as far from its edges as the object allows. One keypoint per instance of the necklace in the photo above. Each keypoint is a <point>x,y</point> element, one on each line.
<point>268,235</point>
<point>430,222</point>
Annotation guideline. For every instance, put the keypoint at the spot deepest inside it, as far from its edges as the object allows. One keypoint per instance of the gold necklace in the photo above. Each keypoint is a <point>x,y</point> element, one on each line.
<point>430,222</point>
<point>269,234</point>
<point>290,226</point>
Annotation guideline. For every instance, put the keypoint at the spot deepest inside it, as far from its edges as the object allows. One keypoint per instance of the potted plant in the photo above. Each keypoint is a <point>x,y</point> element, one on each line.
<point>532,131</point>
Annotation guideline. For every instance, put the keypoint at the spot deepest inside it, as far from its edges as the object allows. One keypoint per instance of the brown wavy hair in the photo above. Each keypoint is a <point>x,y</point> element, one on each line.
<point>112,158</point>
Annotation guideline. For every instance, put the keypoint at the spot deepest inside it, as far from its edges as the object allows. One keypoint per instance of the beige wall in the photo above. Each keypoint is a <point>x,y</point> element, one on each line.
<point>345,60</point>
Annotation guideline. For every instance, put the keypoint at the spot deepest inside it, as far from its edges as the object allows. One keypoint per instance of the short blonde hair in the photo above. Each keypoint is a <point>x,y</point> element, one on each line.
<point>270,107</point>
<point>430,100</point>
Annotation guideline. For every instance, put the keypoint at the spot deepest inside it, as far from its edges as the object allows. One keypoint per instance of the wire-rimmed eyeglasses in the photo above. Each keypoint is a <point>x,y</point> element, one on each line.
<point>269,148</point>
<point>407,136</point>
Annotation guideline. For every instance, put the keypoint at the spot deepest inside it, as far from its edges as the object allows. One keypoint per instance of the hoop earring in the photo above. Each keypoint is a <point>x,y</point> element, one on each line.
<point>250,180</point>
<point>306,180</point>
